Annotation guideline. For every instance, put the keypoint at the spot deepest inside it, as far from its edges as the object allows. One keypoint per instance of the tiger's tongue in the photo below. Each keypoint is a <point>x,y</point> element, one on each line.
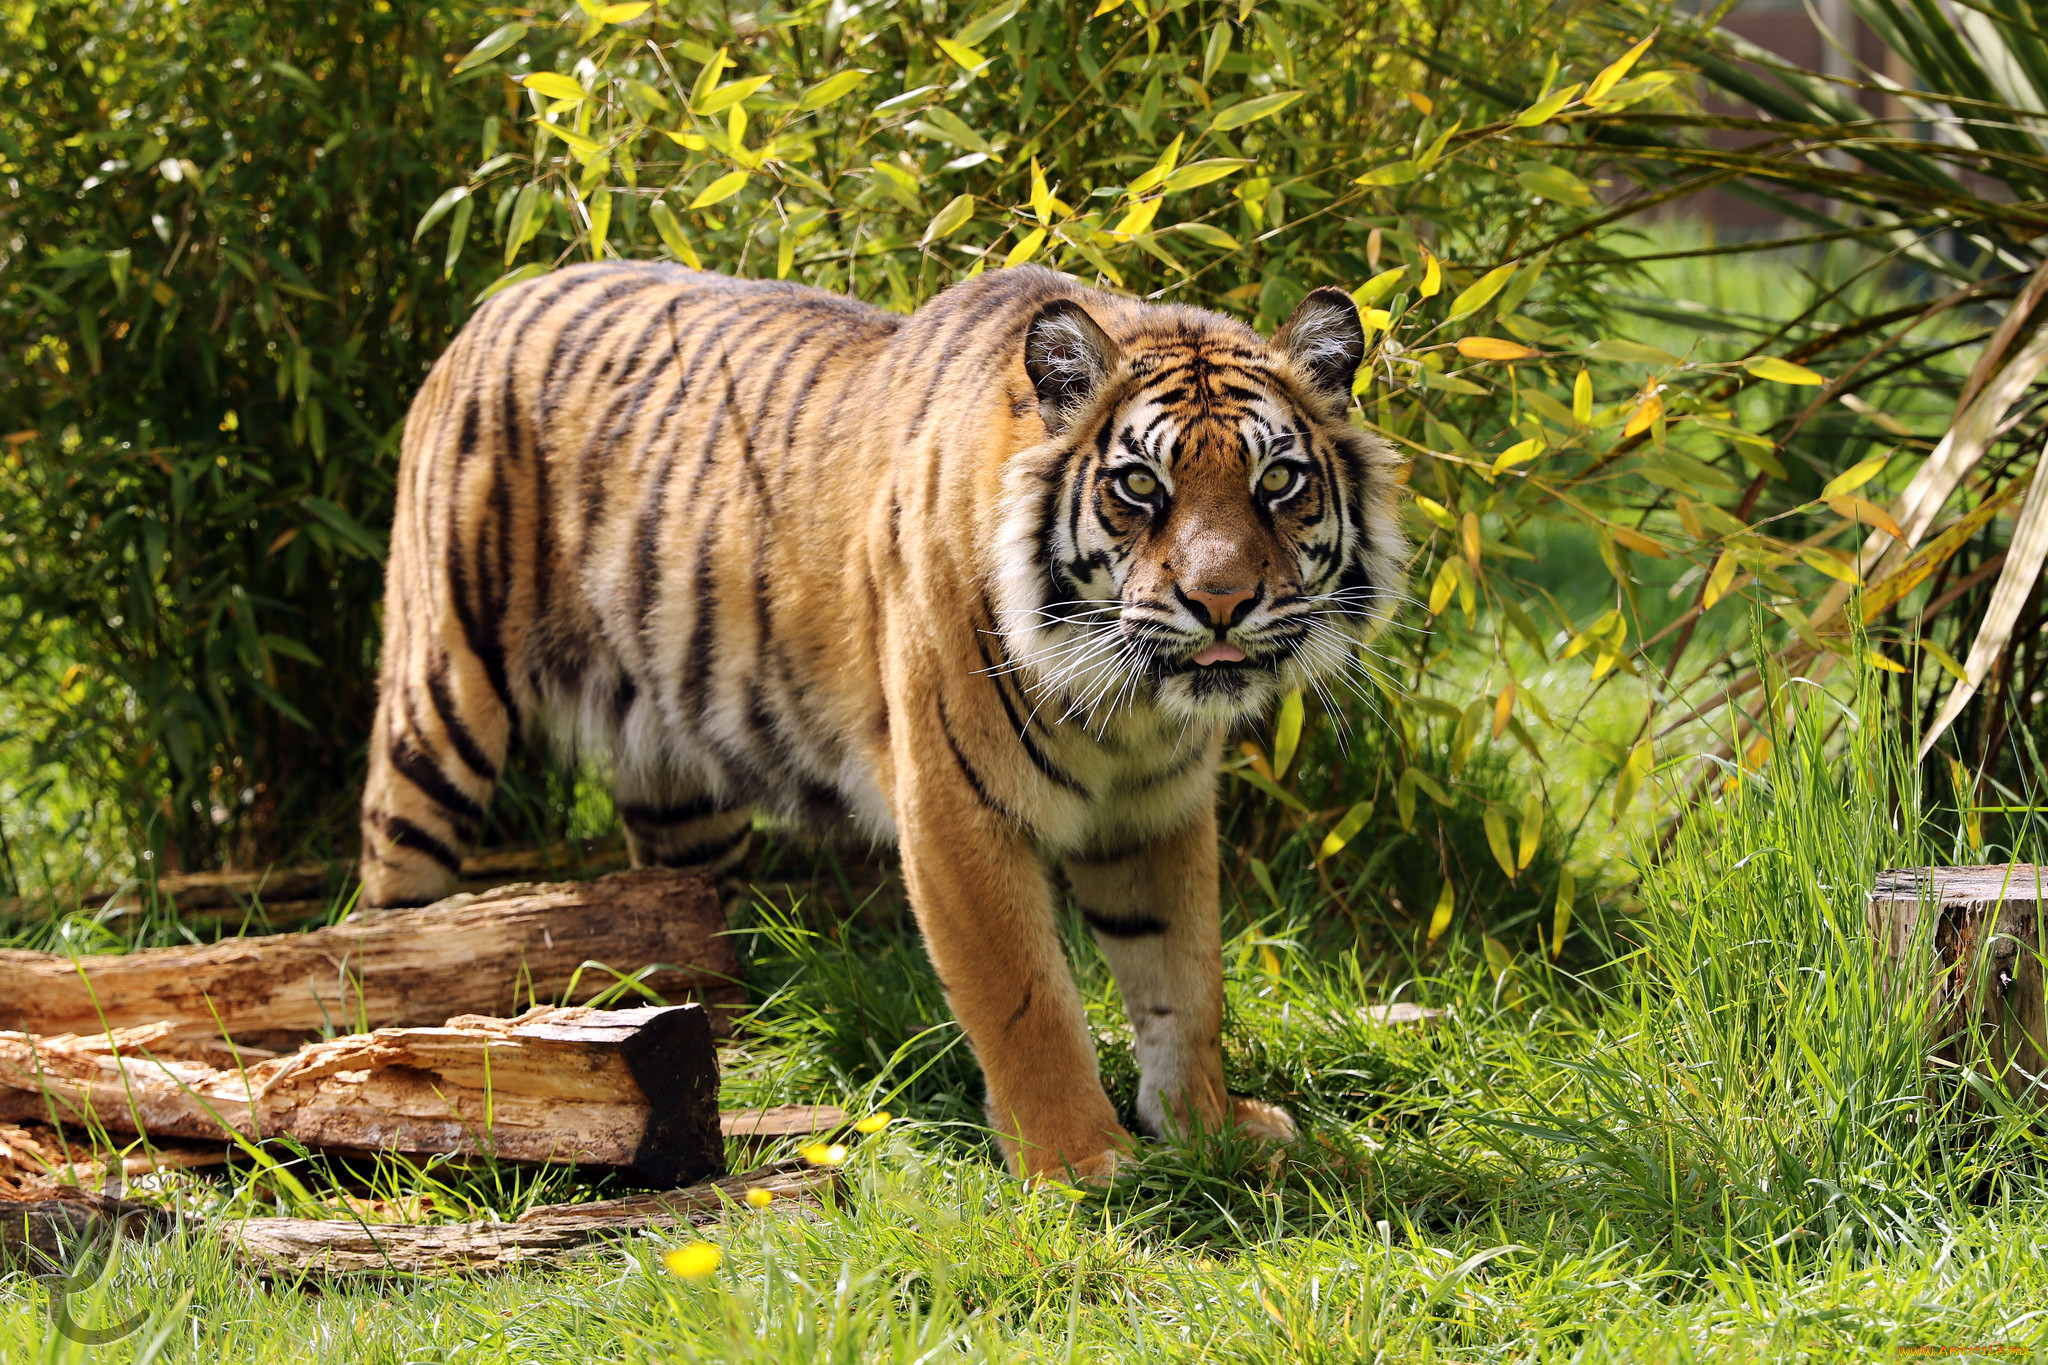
<point>1219,653</point>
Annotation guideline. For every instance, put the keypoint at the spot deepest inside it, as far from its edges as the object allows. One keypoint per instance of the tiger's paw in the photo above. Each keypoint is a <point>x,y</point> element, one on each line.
<point>1258,1119</point>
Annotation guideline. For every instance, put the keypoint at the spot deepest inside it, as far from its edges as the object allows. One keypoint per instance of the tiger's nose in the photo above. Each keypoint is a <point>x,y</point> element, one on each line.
<point>1222,603</point>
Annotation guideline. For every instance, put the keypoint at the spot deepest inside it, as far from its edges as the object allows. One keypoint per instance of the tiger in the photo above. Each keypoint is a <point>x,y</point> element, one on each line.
<point>990,581</point>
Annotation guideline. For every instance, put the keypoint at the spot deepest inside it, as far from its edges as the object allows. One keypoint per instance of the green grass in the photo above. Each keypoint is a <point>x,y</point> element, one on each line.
<point>1720,1144</point>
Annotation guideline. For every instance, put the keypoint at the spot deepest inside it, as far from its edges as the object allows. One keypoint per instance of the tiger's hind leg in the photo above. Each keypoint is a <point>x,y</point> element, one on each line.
<point>671,827</point>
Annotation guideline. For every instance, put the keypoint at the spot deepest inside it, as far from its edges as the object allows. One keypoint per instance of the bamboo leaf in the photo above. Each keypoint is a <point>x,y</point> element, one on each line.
<point>500,40</point>
<point>1344,831</point>
<point>949,219</point>
<point>1491,348</point>
<point>2024,556</point>
<point>1252,110</point>
<point>1547,108</point>
<point>721,98</point>
<point>1561,916</point>
<point>555,85</point>
<point>1206,235</point>
<point>831,89</point>
<point>1532,829</point>
<point>1440,918</point>
<point>1854,477</point>
<point>1198,173</point>
<point>1866,512</point>
<point>1615,70</point>
<point>1497,840</point>
<point>1378,287</point>
<point>1481,293</point>
<point>1287,733</point>
<point>720,190</point>
<point>1780,371</point>
<point>448,200</point>
<point>1816,558</point>
<point>1432,277</point>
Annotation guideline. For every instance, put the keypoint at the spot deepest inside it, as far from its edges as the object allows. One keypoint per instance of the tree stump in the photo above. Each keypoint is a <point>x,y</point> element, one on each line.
<point>1985,942</point>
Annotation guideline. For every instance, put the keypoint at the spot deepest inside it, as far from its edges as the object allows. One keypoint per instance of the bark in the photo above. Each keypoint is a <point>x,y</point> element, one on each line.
<point>633,1090</point>
<point>547,1235</point>
<point>494,953</point>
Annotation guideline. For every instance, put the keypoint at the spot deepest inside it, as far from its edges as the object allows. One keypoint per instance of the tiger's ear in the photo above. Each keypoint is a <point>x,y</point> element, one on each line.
<point>1325,339</point>
<point>1069,358</point>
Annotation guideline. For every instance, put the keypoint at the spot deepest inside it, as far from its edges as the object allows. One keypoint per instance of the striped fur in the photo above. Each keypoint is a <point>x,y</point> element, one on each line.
<point>939,580</point>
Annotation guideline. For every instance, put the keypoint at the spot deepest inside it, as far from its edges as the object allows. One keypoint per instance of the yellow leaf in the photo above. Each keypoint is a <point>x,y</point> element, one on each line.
<point>1269,962</point>
<point>1503,708</point>
<point>1393,173</point>
<point>1041,193</point>
<point>1469,536</point>
<point>720,190</point>
<point>1582,399</point>
<point>1816,558</point>
<point>1780,371</point>
<point>621,14</point>
<point>963,54</point>
<point>1479,295</point>
<point>1868,513</point>
<point>1138,219</point>
<point>1632,773</point>
<point>1561,917</point>
<point>1446,584</point>
<point>1532,829</point>
<point>1498,958</point>
<point>1497,839</point>
<point>1027,248</point>
<point>727,96</point>
<point>1855,476</point>
<point>1440,918</point>
<point>1422,102</point>
<point>1877,660</point>
<point>672,234</point>
<point>1286,733</point>
<point>1432,277</point>
<point>1106,7</point>
<point>1640,543</point>
<point>1948,662</point>
<point>1719,581</point>
<point>1493,348</point>
<point>1378,320</point>
<point>1647,411</point>
<point>1615,70</point>
<point>696,1261</point>
<point>554,85</point>
<point>1517,453</point>
<point>1345,830</point>
<point>1436,512</point>
<point>693,141</point>
<point>1546,108</point>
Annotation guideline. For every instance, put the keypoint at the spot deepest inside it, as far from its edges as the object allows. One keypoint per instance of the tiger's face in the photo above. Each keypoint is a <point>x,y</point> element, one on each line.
<point>1204,531</point>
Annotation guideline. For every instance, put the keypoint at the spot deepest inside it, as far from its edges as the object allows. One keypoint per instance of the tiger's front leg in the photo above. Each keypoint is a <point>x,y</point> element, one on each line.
<point>1154,914</point>
<point>985,907</point>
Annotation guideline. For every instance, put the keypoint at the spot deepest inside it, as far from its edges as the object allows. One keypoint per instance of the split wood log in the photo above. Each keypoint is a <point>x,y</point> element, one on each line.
<point>1983,932</point>
<point>635,1090</point>
<point>44,1234</point>
<point>782,1121</point>
<point>547,1235</point>
<point>469,954</point>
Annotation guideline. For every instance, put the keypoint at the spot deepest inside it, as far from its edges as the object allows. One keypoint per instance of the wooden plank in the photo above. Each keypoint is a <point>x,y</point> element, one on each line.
<point>782,1121</point>
<point>547,1235</point>
<point>633,1090</point>
<point>1984,930</point>
<point>491,954</point>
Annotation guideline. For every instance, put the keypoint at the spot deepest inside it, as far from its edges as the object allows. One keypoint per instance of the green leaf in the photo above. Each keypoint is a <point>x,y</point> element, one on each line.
<point>1198,173</point>
<point>1630,352</point>
<point>1378,287</point>
<point>950,127</point>
<point>949,219</point>
<point>1481,293</point>
<point>721,98</point>
<point>435,211</point>
<point>979,27</point>
<point>500,40</point>
<point>352,532</point>
<point>832,88</point>
<point>1561,917</point>
<point>1252,110</point>
<point>1393,173</point>
<point>1855,476</point>
<point>1554,183</point>
<point>1272,789</point>
<point>1440,918</point>
<point>531,271</point>
<point>672,234</point>
<point>720,190</point>
<point>522,215</point>
<point>1497,840</point>
<point>1206,235</point>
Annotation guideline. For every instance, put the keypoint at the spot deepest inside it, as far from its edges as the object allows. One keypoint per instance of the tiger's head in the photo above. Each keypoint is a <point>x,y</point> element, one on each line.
<point>1202,530</point>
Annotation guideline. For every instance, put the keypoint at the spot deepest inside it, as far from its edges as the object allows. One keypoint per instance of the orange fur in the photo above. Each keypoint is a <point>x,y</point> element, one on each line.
<point>941,580</point>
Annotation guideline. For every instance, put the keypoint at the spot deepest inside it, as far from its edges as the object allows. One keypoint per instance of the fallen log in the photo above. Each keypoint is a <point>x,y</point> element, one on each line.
<point>781,1121</point>
<point>46,1234</point>
<point>470,954</point>
<point>632,1090</point>
<point>547,1235</point>
<point>1983,932</point>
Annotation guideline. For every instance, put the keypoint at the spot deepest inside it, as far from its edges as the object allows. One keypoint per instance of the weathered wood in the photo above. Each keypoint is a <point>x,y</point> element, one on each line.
<point>1404,1014</point>
<point>1986,935</point>
<point>470,954</point>
<point>44,1234</point>
<point>784,1120</point>
<point>547,1235</point>
<point>635,1090</point>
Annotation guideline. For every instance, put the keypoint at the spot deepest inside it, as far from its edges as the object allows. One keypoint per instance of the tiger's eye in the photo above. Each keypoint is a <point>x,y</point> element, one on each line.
<point>1140,483</point>
<point>1277,479</point>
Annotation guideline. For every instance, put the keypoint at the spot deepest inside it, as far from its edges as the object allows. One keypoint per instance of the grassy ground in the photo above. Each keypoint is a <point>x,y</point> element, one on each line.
<point>1719,1146</point>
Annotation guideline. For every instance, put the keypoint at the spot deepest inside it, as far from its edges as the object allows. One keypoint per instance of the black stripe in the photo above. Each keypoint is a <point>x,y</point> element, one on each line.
<point>638,813</point>
<point>981,790</point>
<point>1123,926</point>
<point>403,833</point>
<point>1022,726</point>
<point>1029,993</point>
<point>709,851</point>
<point>417,768</point>
<point>459,734</point>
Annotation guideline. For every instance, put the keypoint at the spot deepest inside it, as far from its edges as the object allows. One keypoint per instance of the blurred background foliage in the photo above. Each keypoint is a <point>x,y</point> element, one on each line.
<point>233,239</point>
